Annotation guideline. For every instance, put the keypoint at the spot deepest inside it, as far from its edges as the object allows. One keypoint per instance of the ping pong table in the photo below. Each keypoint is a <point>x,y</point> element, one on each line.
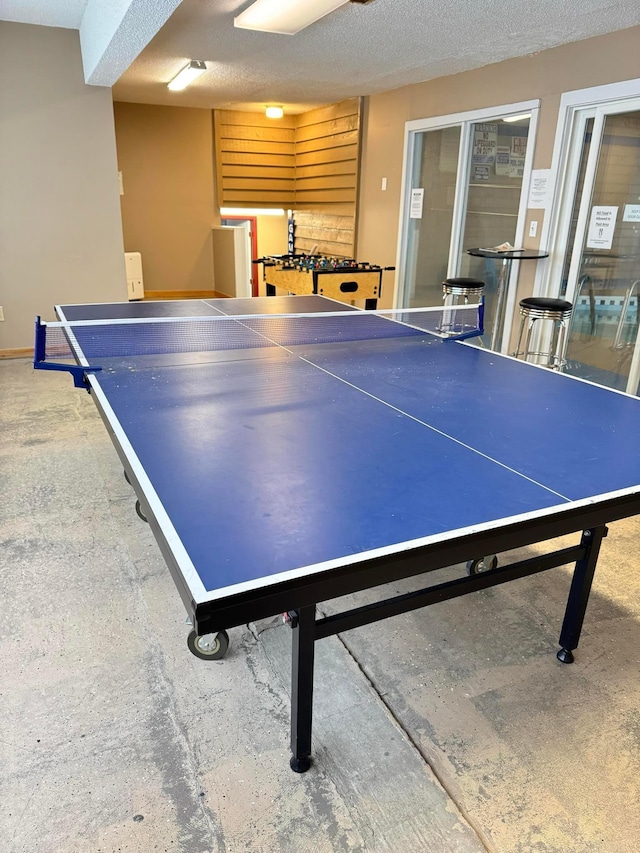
<point>305,456</point>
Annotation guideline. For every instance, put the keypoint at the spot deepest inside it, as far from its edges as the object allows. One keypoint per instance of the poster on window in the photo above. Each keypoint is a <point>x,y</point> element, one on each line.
<point>602,226</point>
<point>503,156</point>
<point>485,143</point>
<point>519,146</point>
<point>516,167</point>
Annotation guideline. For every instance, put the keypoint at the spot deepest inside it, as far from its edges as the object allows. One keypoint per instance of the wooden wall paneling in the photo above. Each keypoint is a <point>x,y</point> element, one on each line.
<point>312,158</point>
<point>327,159</point>
<point>308,163</point>
<point>333,234</point>
<point>255,159</point>
<point>240,198</point>
<point>334,140</point>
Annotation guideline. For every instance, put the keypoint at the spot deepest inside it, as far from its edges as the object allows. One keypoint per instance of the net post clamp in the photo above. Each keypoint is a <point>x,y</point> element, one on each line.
<point>78,372</point>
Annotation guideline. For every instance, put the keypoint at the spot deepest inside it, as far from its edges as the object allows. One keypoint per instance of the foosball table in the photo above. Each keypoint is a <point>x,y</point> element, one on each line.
<point>337,278</point>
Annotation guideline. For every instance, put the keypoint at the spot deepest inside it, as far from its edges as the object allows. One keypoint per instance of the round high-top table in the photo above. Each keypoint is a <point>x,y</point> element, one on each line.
<point>507,259</point>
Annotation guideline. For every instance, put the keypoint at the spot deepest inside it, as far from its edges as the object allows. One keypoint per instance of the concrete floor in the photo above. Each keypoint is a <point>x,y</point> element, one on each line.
<point>449,729</point>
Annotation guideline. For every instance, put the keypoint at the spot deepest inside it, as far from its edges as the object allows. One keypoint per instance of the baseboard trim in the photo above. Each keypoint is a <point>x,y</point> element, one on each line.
<point>23,352</point>
<point>183,294</point>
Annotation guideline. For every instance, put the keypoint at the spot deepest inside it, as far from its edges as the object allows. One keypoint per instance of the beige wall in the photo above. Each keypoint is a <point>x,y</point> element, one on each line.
<point>272,240</point>
<point>165,155</point>
<point>546,76</point>
<point>169,204</point>
<point>272,235</point>
<point>60,229</point>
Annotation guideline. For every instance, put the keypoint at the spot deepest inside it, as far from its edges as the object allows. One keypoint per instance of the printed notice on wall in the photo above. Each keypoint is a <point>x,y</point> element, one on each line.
<point>631,213</point>
<point>602,226</point>
<point>417,200</point>
<point>539,189</point>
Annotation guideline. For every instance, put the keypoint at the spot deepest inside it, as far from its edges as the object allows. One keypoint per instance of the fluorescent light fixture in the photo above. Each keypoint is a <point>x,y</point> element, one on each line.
<point>274,112</point>
<point>517,118</point>
<point>188,74</point>
<point>251,211</point>
<point>287,17</point>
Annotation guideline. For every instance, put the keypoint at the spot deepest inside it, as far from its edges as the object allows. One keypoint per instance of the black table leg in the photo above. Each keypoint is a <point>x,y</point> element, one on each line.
<point>303,648</point>
<point>579,593</point>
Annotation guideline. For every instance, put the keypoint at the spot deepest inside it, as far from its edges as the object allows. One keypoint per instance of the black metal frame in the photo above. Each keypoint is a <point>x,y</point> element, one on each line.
<point>307,629</point>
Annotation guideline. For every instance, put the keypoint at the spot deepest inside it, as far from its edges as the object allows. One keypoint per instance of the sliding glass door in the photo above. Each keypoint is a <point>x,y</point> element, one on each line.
<point>464,188</point>
<point>601,269</point>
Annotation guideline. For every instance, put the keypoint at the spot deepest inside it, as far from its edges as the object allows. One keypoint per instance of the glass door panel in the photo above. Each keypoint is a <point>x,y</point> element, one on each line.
<point>468,178</point>
<point>493,188</point>
<point>434,169</point>
<point>602,264</point>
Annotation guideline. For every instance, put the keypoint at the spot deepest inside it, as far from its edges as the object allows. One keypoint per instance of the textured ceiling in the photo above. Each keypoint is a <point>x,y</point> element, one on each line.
<point>356,50</point>
<point>48,13</point>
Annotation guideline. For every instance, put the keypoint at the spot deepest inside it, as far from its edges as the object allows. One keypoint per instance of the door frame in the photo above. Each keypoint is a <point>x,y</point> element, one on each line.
<point>465,120</point>
<point>253,236</point>
<point>565,163</point>
<point>575,108</point>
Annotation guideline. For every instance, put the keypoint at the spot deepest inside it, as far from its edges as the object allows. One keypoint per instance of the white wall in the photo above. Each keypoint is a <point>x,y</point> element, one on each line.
<point>60,225</point>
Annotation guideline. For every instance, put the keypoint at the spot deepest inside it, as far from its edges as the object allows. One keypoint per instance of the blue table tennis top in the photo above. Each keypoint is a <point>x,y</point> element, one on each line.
<point>274,460</point>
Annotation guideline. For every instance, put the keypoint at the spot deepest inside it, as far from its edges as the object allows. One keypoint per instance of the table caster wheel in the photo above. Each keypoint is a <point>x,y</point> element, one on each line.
<point>140,513</point>
<point>482,564</point>
<point>208,646</point>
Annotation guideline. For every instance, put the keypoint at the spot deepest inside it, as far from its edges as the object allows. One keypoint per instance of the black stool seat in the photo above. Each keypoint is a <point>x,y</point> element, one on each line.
<point>463,281</point>
<point>545,303</point>
<point>545,309</point>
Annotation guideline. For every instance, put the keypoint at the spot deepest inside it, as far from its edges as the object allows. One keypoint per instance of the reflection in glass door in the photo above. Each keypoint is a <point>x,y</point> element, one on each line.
<point>602,264</point>
<point>494,188</point>
<point>469,179</point>
<point>434,170</point>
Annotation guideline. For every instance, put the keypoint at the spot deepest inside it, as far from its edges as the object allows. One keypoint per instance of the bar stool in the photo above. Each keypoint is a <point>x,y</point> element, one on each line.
<point>453,289</point>
<point>544,308</point>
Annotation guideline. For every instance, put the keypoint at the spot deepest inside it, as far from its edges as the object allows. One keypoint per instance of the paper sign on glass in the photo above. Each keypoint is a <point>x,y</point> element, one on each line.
<point>417,199</point>
<point>602,226</point>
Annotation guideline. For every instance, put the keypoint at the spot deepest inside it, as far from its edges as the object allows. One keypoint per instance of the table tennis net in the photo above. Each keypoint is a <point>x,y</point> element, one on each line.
<point>90,341</point>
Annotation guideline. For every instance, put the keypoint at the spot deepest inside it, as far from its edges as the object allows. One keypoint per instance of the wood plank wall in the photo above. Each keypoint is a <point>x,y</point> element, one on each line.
<point>255,159</point>
<point>327,161</point>
<point>307,163</point>
<point>326,233</point>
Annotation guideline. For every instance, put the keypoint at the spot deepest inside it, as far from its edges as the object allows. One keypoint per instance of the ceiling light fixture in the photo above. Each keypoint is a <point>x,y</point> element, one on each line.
<point>517,118</point>
<point>188,74</point>
<point>274,112</point>
<point>287,17</point>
